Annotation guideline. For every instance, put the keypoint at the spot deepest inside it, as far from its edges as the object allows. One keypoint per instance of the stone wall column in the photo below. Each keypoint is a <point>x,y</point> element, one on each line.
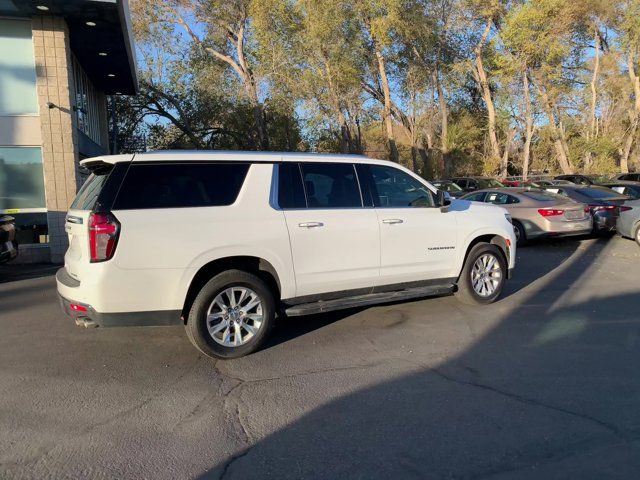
<point>55,85</point>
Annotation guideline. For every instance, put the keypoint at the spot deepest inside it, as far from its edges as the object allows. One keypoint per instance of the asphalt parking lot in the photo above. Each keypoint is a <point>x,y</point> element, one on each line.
<point>542,384</point>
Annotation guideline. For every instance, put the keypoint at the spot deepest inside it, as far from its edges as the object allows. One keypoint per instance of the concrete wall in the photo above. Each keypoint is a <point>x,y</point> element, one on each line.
<point>54,79</point>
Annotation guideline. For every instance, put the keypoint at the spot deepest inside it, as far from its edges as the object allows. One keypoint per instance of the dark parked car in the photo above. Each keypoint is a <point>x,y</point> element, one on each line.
<point>549,183</point>
<point>632,177</point>
<point>630,189</point>
<point>604,203</point>
<point>584,179</point>
<point>448,186</point>
<point>629,222</point>
<point>8,244</point>
<point>471,184</point>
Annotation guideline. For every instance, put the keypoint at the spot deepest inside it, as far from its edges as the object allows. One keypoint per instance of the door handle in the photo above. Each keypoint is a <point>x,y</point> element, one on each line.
<point>391,221</point>
<point>311,224</point>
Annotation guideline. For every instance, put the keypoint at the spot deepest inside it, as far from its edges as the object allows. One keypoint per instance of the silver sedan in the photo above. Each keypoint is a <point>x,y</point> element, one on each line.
<point>628,223</point>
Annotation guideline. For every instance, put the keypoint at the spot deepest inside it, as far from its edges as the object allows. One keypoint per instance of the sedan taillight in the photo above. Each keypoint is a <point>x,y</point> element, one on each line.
<point>624,208</point>
<point>550,212</point>
<point>103,236</point>
<point>598,208</point>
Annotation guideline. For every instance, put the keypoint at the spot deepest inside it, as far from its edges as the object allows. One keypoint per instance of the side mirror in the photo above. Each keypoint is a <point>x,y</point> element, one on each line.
<point>443,198</point>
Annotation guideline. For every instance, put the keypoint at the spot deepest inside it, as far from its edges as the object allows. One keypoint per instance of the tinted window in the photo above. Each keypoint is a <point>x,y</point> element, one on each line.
<point>446,186</point>
<point>88,194</point>
<point>366,184</point>
<point>488,183</point>
<point>290,189</point>
<point>395,188</point>
<point>461,182</point>
<point>174,185</point>
<point>598,193</point>
<point>331,185</point>
<point>475,197</point>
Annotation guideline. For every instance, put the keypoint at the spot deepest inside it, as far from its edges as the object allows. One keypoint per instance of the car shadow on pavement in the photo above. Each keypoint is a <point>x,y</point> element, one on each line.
<point>12,272</point>
<point>551,391</point>
<point>528,270</point>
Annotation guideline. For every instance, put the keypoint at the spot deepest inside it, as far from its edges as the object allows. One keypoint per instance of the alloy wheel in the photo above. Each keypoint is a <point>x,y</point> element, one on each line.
<point>486,275</point>
<point>235,316</point>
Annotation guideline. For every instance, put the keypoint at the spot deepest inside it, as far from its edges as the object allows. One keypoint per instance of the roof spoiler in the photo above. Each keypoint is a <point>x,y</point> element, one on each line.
<point>100,165</point>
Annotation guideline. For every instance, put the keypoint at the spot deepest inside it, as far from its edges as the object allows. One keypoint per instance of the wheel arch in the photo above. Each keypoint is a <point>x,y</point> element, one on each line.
<point>256,265</point>
<point>493,239</point>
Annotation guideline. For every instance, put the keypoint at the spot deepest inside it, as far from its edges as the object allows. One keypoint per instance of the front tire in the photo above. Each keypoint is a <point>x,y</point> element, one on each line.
<point>231,315</point>
<point>638,235</point>
<point>483,275</point>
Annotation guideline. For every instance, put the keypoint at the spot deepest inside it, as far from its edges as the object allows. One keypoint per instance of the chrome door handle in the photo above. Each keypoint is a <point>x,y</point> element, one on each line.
<point>391,221</point>
<point>311,224</point>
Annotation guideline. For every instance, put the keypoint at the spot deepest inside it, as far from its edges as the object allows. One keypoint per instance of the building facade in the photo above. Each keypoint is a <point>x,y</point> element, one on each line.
<point>60,60</point>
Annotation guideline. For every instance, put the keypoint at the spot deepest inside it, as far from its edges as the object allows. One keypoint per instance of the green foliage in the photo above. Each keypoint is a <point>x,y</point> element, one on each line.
<point>306,74</point>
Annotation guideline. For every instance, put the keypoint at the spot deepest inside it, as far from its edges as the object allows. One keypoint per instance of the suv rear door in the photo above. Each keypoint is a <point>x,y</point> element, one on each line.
<point>335,241</point>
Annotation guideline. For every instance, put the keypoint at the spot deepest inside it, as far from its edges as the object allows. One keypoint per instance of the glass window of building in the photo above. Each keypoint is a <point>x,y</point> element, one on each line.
<point>17,69</point>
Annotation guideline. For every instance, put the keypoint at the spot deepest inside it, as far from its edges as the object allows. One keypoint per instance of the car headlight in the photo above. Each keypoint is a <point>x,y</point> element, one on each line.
<point>508,217</point>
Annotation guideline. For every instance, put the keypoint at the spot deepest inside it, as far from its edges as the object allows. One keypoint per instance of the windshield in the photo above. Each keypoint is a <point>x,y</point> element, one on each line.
<point>489,183</point>
<point>447,187</point>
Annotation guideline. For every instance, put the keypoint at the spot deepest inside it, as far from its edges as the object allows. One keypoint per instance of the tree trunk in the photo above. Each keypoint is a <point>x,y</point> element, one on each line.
<point>635,113</point>
<point>504,162</point>
<point>387,119</point>
<point>558,141</point>
<point>483,83</point>
<point>594,85</point>
<point>444,120</point>
<point>528,133</point>
<point>346,142</point>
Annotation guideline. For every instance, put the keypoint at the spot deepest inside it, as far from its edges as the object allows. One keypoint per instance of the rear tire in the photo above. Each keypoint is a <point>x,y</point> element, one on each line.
<point>231,315</point>
<point>637,237</point>
<point>521,235</point>
<point>486,268</point>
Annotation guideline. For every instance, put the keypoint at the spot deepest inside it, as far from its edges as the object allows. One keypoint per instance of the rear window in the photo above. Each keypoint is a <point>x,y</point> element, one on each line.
<point>177,185</point>
<point>598,193</point>
<point>88,194</point>
<point>542,196</point>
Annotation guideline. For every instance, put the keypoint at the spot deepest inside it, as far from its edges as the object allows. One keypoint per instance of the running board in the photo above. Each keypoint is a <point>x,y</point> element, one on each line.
<point>365,300</point>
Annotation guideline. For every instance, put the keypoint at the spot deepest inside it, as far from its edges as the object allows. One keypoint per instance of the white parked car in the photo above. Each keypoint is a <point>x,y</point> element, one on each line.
<point>223,241</point>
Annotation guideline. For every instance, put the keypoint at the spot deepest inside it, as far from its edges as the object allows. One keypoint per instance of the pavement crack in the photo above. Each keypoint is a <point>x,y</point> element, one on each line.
<point>231,461</point>
<point>530,401</point>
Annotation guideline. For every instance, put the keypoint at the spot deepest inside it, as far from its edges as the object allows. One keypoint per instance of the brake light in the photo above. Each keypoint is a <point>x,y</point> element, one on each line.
<point>625,208</point>
<point>550,212</point>
<point>77,308</point>
<point>598,208</point>
<point>103,236</point>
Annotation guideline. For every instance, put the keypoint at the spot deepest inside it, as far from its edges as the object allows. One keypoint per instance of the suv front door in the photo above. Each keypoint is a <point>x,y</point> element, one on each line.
<point>417,239</point>
<point>335,241</point>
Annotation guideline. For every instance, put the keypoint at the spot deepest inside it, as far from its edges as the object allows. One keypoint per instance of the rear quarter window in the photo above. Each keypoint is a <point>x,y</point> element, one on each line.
<point>88,194</point>
<point>179,185</point>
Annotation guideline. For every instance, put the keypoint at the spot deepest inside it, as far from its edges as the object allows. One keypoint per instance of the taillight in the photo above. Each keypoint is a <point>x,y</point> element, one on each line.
<point>624,208</point>
<point>598,208</point>
<point>103,236</point>
<point>550,212</point>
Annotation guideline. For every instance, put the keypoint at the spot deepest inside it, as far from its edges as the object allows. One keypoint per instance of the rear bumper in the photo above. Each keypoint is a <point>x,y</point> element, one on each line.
<point>604,223</point>
<point>85,315</point>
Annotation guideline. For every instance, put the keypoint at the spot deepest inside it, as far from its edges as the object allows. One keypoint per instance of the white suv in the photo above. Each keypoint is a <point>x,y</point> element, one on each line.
<point>223,241</point>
